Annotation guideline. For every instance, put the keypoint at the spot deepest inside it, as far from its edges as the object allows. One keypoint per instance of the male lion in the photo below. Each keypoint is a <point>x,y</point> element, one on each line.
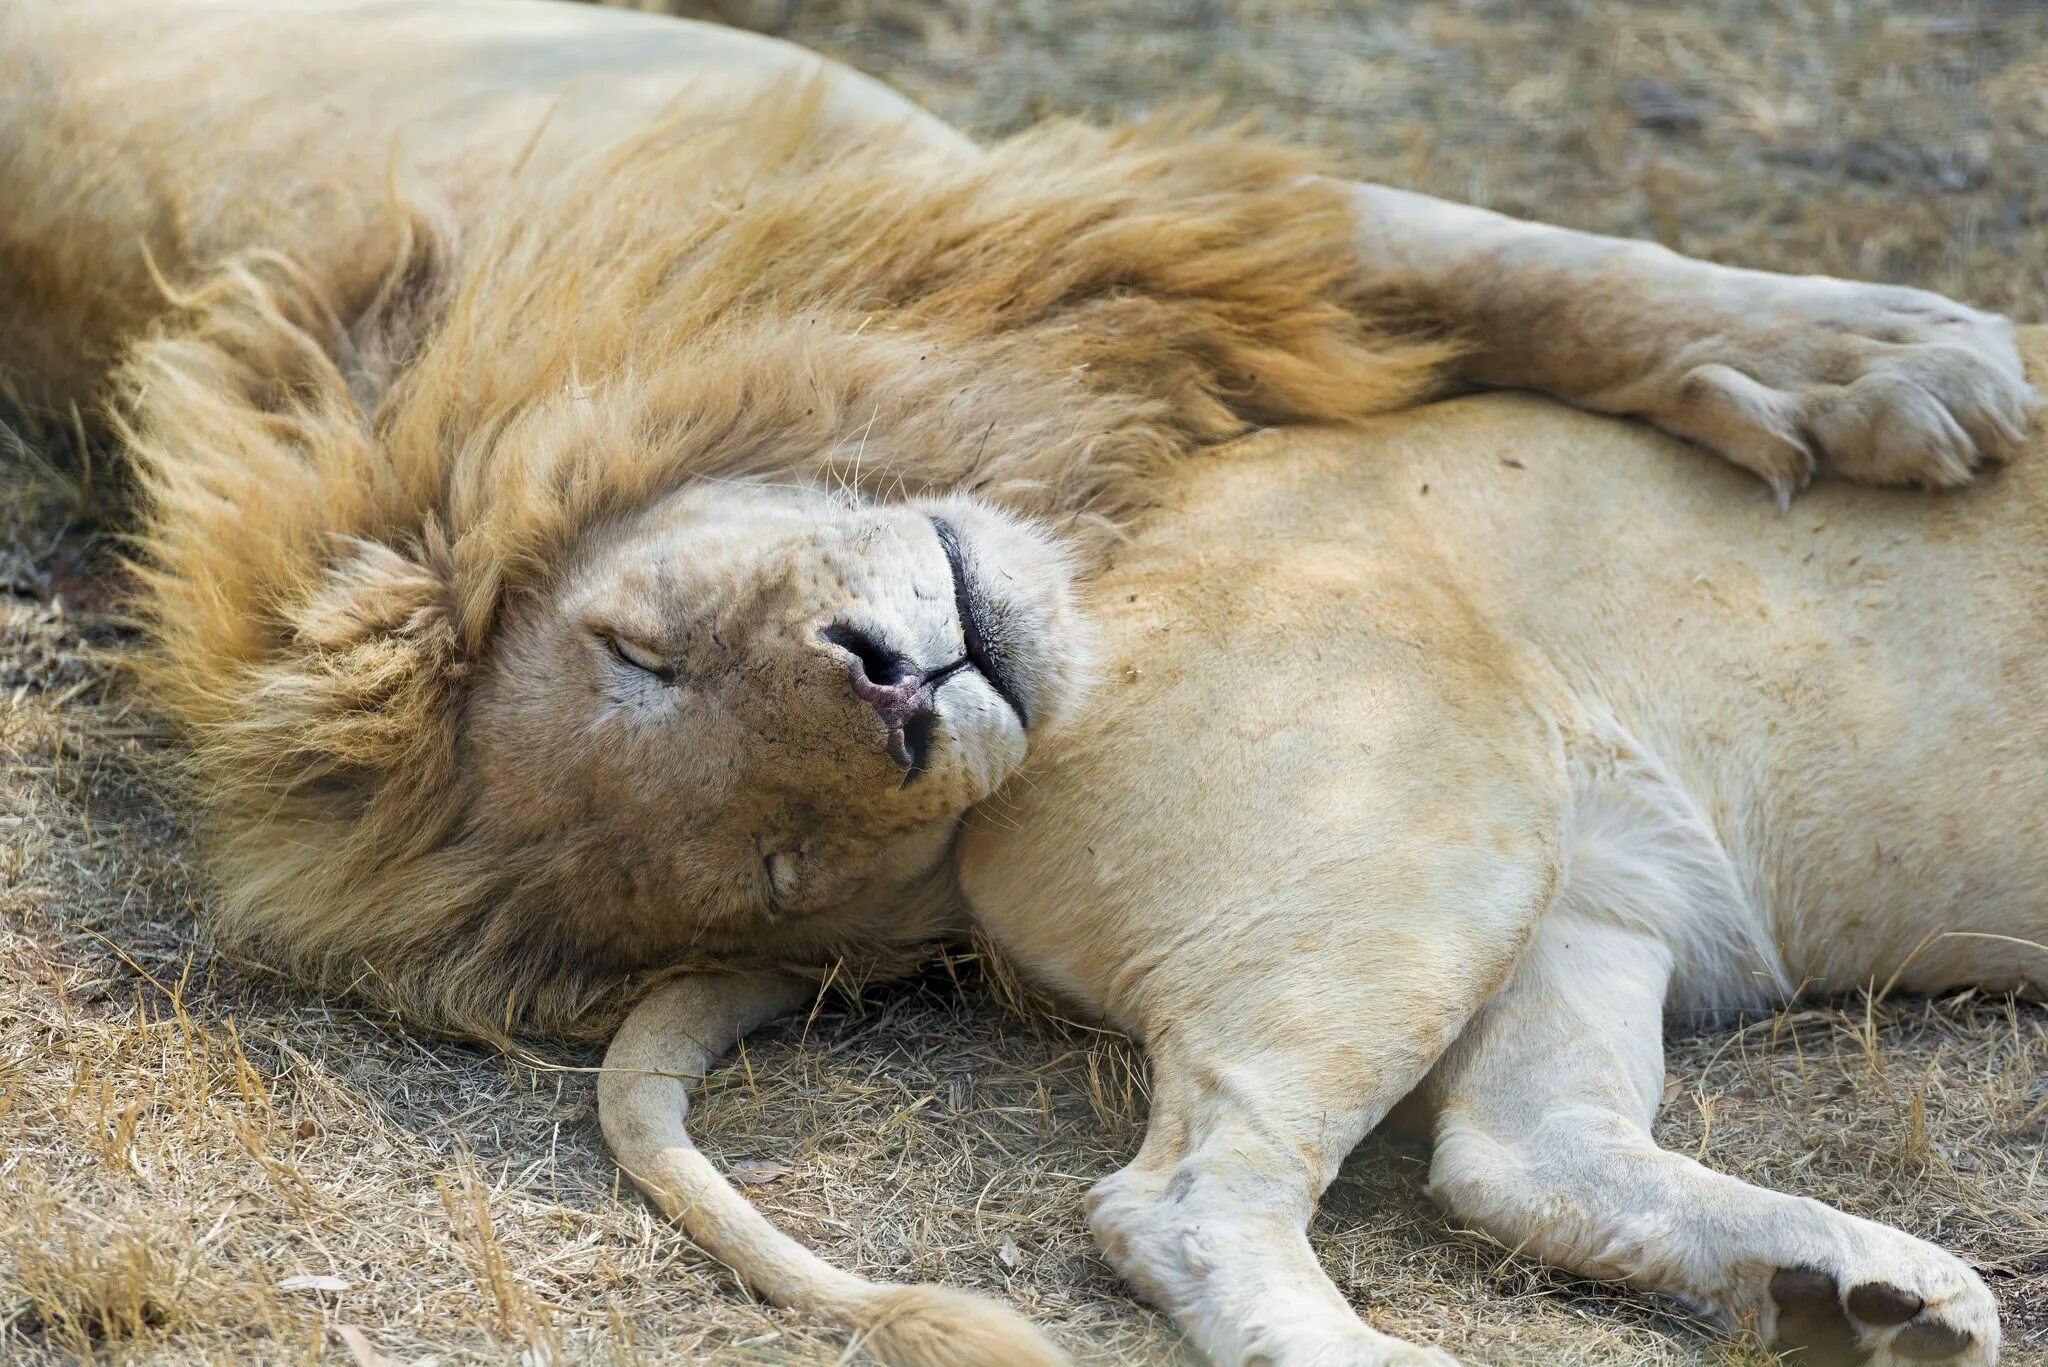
<point>620,493</point>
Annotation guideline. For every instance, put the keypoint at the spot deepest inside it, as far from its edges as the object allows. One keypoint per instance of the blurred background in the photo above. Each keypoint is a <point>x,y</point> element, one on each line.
<point>201,1167</point>
<point>1898,141</point>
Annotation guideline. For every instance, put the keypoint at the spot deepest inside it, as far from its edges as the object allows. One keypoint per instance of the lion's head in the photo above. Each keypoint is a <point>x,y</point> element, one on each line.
<point>746,718</point>
<point>658,583</point>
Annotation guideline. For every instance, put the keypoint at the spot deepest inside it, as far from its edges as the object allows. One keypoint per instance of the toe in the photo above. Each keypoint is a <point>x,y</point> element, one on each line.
<point>1805,1289</point>
<point>1931,1341</point>
<point>1887,429</point>
<point>1879,1296</point>
<point>1882,1303</point>
<point>1747,422</point>
<point>1982,386</point>
<point>1896,386</point>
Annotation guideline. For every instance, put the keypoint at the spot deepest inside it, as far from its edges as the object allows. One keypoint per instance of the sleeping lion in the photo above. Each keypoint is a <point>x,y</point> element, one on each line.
<point>633,512</point>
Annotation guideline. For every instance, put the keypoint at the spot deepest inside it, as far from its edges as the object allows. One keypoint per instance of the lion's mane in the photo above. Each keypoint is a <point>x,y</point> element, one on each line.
<point>340,509</point>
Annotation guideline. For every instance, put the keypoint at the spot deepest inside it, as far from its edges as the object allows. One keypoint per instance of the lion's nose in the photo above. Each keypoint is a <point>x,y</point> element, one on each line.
<point>897,689</point>
<point>874,664</point>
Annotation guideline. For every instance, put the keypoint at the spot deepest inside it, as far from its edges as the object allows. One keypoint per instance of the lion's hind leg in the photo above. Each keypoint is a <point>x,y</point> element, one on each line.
<point>1543,1140</point>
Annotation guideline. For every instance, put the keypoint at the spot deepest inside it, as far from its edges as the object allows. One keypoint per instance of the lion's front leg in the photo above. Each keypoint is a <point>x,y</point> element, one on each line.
<point>1294,1019</point>
<point>1294,962</point>
<point>1783,375</point>
<point>1210,1221</point>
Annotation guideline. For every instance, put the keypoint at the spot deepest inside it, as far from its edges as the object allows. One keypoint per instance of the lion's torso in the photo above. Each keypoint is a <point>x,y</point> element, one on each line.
<point>1828,726</point>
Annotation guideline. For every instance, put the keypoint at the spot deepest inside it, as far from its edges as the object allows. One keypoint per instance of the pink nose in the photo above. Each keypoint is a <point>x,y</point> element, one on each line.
<point>898,690</point>
<point>906,712</point>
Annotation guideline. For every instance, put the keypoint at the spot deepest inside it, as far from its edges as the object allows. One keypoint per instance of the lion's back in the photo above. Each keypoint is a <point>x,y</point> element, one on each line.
<point>139,137</point>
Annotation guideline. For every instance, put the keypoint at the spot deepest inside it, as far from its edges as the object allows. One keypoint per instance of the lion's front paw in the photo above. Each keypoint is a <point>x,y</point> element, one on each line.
<point>1904,1306</point>
<point>1875,383</point>
<point>1359,1347</point>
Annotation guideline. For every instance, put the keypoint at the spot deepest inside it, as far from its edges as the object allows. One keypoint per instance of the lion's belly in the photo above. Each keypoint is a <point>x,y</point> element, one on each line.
<point>204,128</point>
<point>1853,695</point>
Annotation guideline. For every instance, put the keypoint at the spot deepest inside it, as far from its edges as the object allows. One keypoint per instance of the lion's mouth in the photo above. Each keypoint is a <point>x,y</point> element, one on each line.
<point>967,602</point>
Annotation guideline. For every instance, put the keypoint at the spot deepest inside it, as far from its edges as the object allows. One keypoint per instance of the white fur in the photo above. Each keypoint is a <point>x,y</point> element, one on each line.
<point>1502,764</point>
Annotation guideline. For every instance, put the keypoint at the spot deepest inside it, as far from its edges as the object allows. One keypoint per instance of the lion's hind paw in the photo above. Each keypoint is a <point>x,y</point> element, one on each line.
<point>1884,1321</point>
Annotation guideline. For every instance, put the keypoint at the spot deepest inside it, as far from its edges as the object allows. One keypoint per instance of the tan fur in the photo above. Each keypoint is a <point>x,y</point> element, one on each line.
<point>544,476</point>
<point>322,583</point>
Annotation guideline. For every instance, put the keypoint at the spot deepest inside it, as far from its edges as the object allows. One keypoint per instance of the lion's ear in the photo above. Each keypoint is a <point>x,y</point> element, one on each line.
<point>370,678</point>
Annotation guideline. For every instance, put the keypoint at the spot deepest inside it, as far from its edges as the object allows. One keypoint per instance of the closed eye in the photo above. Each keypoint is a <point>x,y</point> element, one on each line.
<point>634,655</point>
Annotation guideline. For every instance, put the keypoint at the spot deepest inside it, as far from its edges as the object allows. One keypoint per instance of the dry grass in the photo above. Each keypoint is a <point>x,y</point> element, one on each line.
<point>179,1139</point>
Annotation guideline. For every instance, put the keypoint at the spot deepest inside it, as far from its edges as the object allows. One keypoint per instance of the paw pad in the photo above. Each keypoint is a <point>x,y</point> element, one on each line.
<point>1930,1342</point>
<point>1883,1303</point>
<point>1810,1316</point>
<point>1829,1329</point>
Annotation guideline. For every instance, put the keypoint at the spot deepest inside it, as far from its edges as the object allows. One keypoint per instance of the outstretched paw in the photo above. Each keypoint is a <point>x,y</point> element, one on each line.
<point>1875,383</point>
<point>1902,1317</point>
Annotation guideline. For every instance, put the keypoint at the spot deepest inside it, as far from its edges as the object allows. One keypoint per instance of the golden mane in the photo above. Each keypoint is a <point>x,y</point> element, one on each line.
<point>340,509</point>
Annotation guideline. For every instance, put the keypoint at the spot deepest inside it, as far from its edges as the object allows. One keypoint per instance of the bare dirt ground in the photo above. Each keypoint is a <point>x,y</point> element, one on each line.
<point>201,1166</point>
